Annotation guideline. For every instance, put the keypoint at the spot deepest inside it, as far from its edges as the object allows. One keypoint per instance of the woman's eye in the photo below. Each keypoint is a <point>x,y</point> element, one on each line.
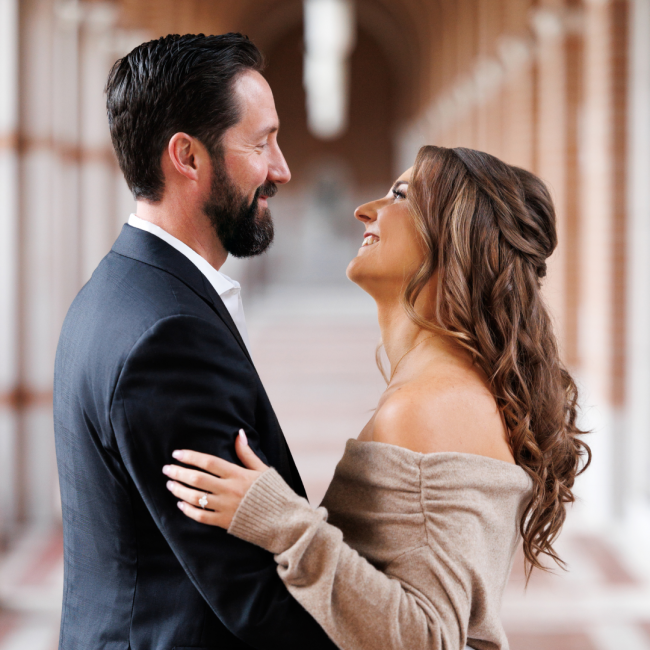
<point>398,194</point>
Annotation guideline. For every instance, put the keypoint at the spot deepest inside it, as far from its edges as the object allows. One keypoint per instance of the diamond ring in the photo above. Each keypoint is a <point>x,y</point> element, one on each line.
<point>203,501</point>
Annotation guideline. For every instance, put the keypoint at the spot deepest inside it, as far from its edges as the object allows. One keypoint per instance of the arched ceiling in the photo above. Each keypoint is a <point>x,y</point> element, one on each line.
<point>403,29</point>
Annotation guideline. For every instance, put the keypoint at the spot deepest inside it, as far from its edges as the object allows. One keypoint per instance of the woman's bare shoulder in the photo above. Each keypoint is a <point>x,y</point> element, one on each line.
<point>453,411</point>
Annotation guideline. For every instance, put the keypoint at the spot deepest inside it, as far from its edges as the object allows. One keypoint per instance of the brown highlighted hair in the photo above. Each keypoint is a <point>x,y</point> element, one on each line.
<point>488,228</point>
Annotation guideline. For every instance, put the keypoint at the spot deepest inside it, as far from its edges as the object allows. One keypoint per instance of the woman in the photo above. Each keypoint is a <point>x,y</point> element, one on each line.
<point>473,444</point>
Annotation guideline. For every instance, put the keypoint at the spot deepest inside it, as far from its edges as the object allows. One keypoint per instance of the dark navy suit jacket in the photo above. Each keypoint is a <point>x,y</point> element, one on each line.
<point>149,361</point>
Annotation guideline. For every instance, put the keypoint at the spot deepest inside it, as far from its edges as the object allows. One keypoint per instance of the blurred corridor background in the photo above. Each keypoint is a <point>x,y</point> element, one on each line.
<point>560,87</point>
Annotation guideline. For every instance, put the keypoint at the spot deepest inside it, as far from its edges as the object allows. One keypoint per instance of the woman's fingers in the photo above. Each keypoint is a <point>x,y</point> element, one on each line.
<point>203,516</point>
<point>192,497</point>
<point>223,503</point>
<point>209,463</point>
<point>220,488</point>
<point>247,455</point>
<point>192,477</point>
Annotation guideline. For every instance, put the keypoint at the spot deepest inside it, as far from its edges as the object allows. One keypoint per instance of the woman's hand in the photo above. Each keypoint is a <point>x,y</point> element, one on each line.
<point>214,497</point>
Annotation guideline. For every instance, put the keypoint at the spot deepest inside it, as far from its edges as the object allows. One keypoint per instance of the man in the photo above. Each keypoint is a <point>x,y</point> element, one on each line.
<point>153,357</point>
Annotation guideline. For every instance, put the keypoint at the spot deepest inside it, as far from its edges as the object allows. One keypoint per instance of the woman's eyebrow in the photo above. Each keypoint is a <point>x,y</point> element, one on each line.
<point>399,183</point>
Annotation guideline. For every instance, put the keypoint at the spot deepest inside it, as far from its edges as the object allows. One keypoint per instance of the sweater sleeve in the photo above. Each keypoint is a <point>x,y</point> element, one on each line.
<point>359,606</point>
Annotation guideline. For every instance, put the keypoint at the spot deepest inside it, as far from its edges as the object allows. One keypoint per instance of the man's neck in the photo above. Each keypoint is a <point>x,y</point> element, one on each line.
<point>194,230</point>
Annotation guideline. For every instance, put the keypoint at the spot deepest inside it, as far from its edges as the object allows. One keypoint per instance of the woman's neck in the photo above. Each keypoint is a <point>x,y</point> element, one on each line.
<point>399,333</point>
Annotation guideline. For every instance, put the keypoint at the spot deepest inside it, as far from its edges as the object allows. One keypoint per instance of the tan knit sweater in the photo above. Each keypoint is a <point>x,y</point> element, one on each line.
<point>416,553</point>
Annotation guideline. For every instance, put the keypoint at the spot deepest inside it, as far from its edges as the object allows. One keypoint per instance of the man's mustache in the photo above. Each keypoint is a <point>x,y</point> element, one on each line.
<point>269,190</point>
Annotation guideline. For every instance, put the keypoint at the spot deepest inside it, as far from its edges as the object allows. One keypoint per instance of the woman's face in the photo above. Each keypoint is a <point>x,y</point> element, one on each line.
<point>392,250</point>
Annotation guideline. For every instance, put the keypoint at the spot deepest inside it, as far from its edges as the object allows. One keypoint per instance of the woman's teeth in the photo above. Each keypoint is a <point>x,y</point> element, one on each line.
<point>370,239</point>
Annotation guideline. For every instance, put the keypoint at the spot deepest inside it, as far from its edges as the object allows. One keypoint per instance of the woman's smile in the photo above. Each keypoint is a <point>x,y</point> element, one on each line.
<point>369,239</point>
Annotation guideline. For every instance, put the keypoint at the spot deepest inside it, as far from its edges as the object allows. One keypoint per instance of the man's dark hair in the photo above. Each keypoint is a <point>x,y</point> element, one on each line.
<point>173,84</point>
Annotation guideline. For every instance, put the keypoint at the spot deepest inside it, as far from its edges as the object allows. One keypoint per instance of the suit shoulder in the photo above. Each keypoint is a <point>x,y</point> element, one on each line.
<point>126,288</point>
<point>123,300</point>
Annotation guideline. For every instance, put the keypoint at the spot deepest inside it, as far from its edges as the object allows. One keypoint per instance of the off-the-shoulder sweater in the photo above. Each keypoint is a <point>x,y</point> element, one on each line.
<point>408,551</point>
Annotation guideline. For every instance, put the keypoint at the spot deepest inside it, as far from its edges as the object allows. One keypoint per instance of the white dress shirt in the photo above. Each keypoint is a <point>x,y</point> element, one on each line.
<point>229,290</point>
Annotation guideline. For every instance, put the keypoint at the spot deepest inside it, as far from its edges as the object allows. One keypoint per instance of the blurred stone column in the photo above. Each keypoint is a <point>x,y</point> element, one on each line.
<point>620,80</point>
<point>637,451</point>
<point>98,200</point>
<point>599,223</point>
<point>548,23</point>
<point>71,194</point>
<point>8,260</point>
<point>488,25</point>
<point>516,54</point>
<point>66,140</point>
<point>463,45</point>
<point>573,79</point>
<point>48,205</point>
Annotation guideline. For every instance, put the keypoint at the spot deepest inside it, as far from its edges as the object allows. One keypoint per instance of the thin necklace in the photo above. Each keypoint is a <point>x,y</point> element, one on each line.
<point>392,374</point>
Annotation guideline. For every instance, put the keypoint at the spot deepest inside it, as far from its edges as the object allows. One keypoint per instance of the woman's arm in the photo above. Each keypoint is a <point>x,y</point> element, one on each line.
<point>359,606</point>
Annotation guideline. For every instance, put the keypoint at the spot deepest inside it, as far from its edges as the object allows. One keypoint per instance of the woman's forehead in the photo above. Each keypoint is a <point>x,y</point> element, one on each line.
<point>406,176</point>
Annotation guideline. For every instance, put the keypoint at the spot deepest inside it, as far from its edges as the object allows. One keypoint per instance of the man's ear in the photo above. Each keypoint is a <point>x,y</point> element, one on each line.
<point>186,154</point>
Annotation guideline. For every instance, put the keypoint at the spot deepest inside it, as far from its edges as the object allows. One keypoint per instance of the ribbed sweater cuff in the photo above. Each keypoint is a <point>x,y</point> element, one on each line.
<point>261,511</point>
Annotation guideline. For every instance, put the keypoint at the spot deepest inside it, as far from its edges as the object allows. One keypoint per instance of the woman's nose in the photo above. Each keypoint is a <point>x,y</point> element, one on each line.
<point>365,213</point>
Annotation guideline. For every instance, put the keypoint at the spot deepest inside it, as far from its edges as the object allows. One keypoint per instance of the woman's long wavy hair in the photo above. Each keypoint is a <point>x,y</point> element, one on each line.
<point>488,228</point>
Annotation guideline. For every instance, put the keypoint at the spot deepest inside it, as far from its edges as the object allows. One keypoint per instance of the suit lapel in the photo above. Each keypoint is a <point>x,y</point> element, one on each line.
<point>149,249</point>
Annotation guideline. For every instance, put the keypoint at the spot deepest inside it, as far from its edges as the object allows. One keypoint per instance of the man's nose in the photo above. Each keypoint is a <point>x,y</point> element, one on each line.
<point>278,169</point>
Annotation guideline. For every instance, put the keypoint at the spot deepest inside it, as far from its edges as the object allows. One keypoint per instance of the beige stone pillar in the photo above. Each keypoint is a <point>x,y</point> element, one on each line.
<point>550,134</point>
<point>8,261</point>
<point>488,108</point>
<point>41,179</point>
<point>72,202</point>
<point>98,198</point>
<point>596,258</point>
<point>518,115</point>
<point>574,60</point>
<point>66,244</point>
<point>637,448</point>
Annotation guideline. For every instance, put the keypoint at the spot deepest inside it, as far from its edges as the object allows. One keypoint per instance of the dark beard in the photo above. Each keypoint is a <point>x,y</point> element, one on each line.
<point>243,229</point>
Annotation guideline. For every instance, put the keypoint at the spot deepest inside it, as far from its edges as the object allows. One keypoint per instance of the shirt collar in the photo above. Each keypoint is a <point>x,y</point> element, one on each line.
<point>220,281</point>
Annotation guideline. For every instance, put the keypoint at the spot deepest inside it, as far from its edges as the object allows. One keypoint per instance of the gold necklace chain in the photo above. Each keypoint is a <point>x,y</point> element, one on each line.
<point>392,374</point>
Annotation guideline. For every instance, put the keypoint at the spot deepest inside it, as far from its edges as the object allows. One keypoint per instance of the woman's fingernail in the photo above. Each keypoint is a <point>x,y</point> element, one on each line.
<point>177,454</point>
<point>166,470</point>
<point>243,437</point>
<point>170,485</point>
<point>181,505</point>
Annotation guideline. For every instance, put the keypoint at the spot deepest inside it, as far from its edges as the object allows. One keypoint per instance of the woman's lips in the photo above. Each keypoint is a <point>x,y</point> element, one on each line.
<point>369,240</point>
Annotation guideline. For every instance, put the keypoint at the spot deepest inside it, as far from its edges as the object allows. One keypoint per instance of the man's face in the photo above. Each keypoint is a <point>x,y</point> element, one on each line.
<point>246,171</point>
<point>244,229</point>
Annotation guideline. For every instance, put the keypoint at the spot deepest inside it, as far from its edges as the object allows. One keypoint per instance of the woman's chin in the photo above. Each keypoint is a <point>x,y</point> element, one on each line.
<point>353,271</point>
<point>356,274</point>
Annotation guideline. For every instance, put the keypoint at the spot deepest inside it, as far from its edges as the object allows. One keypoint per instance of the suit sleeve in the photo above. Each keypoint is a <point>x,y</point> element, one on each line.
<point>185,385</point>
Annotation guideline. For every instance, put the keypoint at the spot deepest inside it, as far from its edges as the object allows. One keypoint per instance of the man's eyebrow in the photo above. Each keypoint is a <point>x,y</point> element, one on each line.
<point>272,128</point>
